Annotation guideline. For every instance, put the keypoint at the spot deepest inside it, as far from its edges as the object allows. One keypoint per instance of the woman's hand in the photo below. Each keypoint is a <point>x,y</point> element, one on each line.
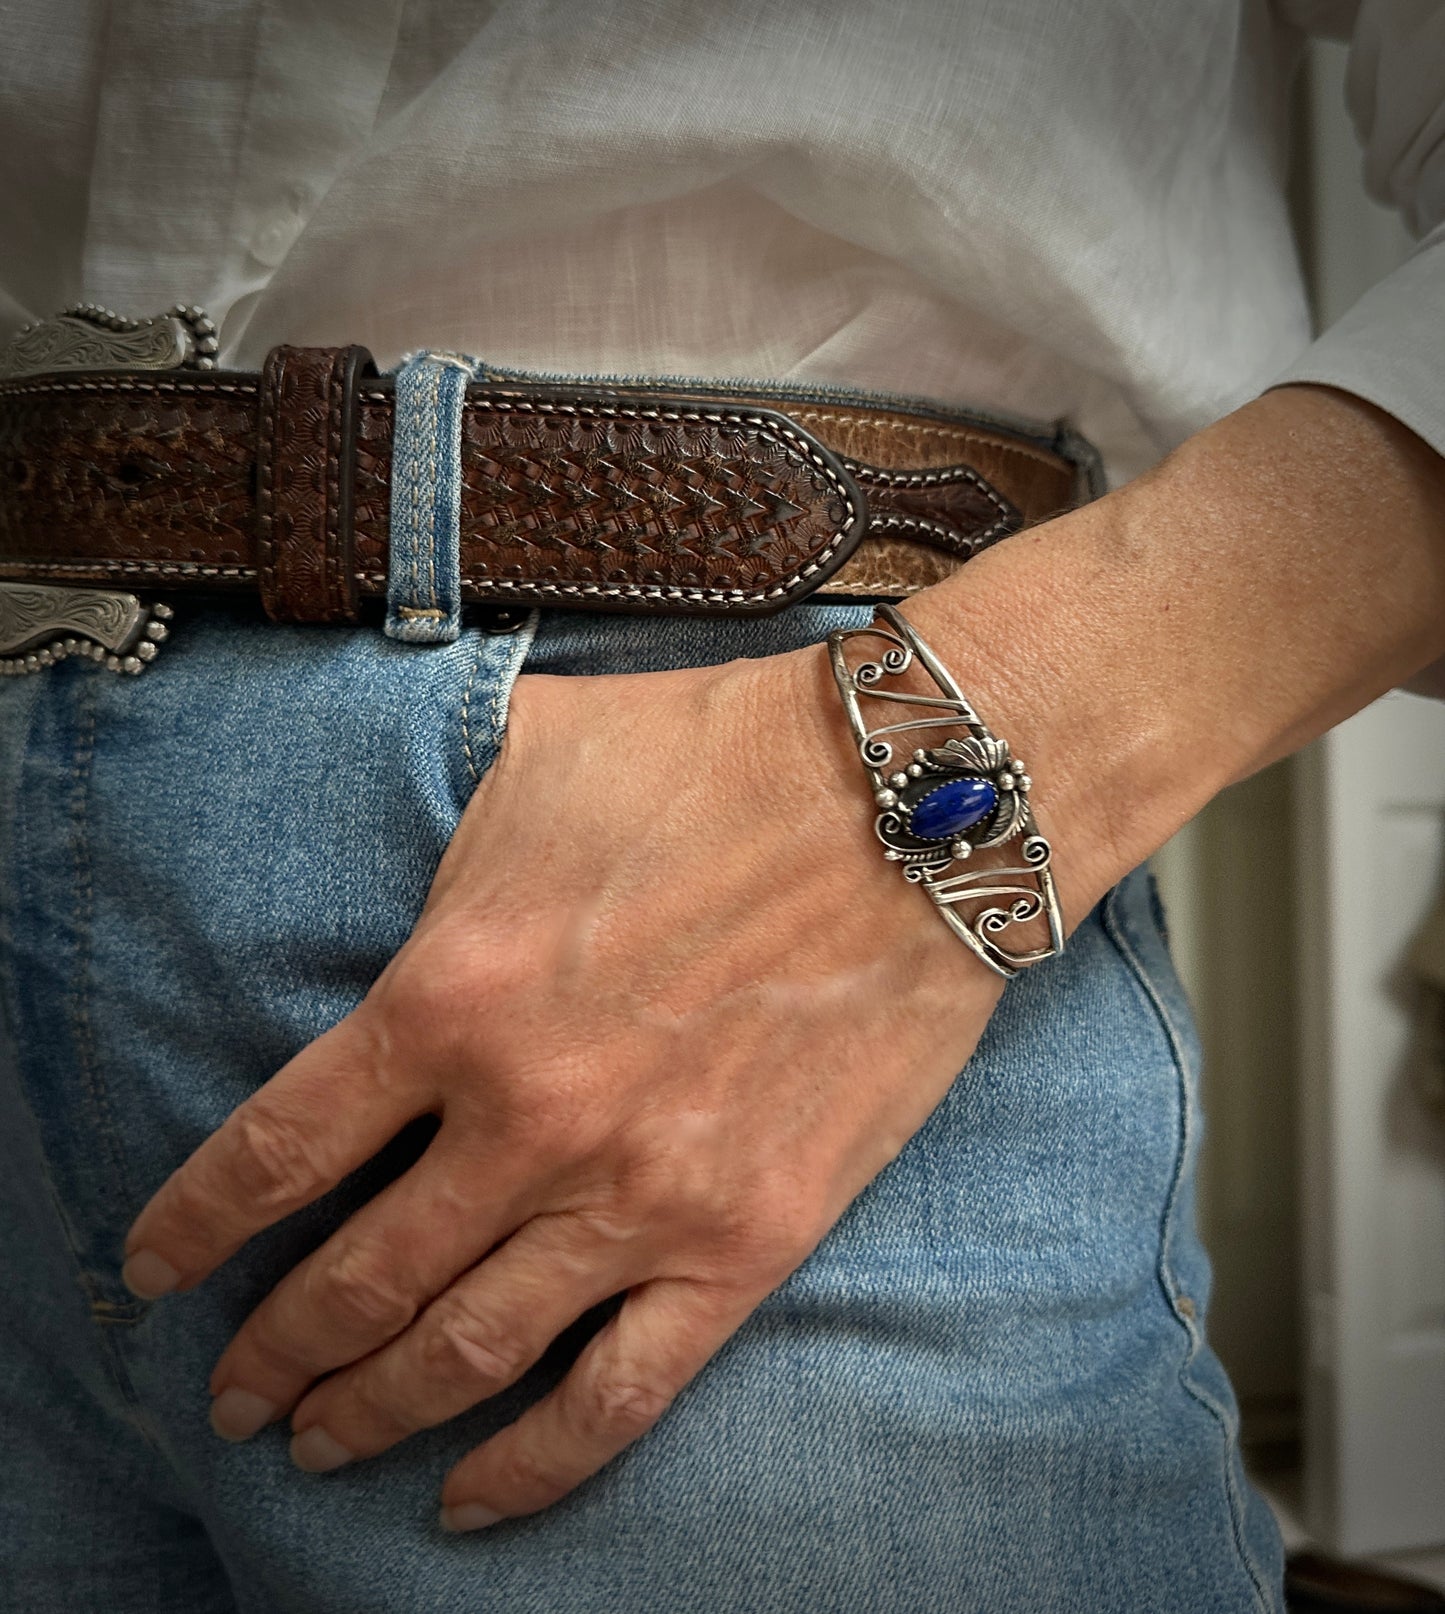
<point>674,1012</point>
<point>673,1009</point>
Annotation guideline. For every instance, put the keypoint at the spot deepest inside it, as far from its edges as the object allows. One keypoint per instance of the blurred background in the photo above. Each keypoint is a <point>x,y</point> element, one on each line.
<point>1294,901</point>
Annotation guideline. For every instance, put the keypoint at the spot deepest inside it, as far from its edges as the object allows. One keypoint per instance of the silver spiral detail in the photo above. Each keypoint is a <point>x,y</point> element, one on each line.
<point>881,714</point>
<point>994,920</point>
<point>1035,851</point>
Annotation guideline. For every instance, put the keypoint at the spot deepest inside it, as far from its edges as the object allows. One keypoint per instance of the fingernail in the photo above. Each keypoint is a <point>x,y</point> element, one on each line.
<point>468,1516</point>
<point>237,1414</point>
<point>147,1276</point>
<point>314,1451</point>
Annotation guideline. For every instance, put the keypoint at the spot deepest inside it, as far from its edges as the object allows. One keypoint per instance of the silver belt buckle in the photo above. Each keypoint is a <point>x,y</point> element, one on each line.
<point>42,623</point>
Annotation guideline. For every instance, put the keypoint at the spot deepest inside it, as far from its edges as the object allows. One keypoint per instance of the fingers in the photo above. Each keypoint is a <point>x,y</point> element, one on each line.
<point>332,1107</point>
<point>364,1286</point>
<point>618,1388</point>
<point>474,1340</point>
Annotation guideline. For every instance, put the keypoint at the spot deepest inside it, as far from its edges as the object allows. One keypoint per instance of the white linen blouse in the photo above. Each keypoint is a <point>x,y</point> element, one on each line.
<point>1035,207</point>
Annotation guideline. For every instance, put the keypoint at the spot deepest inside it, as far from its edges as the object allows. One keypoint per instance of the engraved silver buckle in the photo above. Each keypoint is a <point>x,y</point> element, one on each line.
<point>42,623</point>
<point>89,337</point>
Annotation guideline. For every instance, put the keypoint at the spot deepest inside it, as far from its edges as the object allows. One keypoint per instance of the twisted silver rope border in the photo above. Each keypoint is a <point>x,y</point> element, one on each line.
<point>1027,887</point>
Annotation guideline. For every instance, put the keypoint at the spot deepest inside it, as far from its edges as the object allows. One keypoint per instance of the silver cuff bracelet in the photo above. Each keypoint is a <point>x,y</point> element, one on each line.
<point>947,803</point>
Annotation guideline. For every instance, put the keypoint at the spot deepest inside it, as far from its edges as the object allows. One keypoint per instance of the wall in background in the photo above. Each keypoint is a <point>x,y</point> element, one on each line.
<point>1228,884</point>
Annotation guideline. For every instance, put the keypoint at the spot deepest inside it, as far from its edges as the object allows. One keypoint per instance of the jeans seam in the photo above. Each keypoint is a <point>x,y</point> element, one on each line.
<point>472,769</point>
<point>518,644</point>
<point>82,767</point>
<point>1114,930</point>
<point>22,811</point>
<point>103,1312</point>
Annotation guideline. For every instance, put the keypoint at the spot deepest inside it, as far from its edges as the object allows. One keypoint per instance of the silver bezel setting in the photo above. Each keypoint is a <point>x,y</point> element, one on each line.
<point>969,901</point>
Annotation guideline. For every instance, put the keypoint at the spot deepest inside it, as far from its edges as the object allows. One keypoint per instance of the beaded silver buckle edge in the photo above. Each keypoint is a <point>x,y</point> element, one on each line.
<point>43,623</point>
<point>950,801</point>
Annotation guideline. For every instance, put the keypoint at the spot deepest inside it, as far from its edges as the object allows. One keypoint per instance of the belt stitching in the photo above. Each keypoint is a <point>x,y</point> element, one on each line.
<point>767,429</point>
<point>929,428</point>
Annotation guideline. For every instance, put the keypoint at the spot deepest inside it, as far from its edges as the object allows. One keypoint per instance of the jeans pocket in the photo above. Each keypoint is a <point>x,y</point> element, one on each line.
<point>582,642</point>
<point>479,721</point>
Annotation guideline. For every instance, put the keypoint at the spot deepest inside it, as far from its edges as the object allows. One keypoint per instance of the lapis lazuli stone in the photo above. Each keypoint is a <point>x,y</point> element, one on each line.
<point>951,808</point>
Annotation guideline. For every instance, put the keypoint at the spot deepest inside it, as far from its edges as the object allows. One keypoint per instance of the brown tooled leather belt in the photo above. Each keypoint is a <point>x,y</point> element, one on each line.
<point>633,498</point>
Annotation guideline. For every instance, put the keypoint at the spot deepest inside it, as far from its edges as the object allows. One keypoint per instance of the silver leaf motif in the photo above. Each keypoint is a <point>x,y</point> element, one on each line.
<point>985,754</point>
<point>1007,821</point>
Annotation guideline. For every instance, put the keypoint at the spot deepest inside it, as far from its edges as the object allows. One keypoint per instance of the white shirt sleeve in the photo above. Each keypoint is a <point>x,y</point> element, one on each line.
<point>1389,347</point>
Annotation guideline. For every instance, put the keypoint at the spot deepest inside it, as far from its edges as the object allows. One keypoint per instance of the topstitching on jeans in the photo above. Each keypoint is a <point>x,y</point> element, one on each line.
<point>1115,929</point>
<point>472,769</point>
<point>10,986</point>
<point>502,689</point>
<point>82,766</point>
<point>503,668</point>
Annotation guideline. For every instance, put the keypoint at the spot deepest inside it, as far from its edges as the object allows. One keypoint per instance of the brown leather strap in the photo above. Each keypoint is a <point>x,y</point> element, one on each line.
<point>621,498</point>
<point>305,560</point>
<point>626,501</point>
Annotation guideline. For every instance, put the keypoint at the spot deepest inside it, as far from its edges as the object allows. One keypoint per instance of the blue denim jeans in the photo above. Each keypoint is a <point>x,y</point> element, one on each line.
<point>988,1389</point>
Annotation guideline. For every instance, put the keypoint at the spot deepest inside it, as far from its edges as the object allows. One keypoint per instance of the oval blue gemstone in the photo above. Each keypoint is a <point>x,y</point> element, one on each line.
<point>951,808</point>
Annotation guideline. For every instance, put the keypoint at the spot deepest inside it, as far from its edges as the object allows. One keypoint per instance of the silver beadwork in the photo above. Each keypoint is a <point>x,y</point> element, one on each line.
<point>87,336</point>
<point>44,623</point>
<point>1026,887</point>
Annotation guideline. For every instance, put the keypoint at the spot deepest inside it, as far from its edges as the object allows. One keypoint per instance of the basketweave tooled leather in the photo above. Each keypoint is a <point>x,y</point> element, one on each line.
<point>632,499</point>
<point>305,550</point>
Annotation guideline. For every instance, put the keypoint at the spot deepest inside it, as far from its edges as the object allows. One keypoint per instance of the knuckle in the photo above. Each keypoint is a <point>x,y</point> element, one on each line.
<point>358,1290</point>
<point>784,1223</point>
<point>463,1346</point>
<point>431,986</point>
<point>607,1227</point>
<point>273,1160</point>
<point>423,1000</point>
<point>618,1409</point>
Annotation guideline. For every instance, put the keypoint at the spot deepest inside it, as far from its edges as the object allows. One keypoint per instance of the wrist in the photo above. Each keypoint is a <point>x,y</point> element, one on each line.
<point>1275,574</point>
<point>796,702</point>
<point>1034,631</point>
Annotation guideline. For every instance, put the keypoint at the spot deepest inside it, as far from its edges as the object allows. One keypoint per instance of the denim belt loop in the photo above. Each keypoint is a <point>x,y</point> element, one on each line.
<point>423,586</point>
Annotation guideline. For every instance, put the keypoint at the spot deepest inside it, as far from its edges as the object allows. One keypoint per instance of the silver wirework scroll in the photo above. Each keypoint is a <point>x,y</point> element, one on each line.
<point>946,803</point>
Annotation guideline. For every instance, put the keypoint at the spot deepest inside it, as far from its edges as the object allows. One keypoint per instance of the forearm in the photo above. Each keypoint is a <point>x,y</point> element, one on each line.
<point>1273,575</point>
